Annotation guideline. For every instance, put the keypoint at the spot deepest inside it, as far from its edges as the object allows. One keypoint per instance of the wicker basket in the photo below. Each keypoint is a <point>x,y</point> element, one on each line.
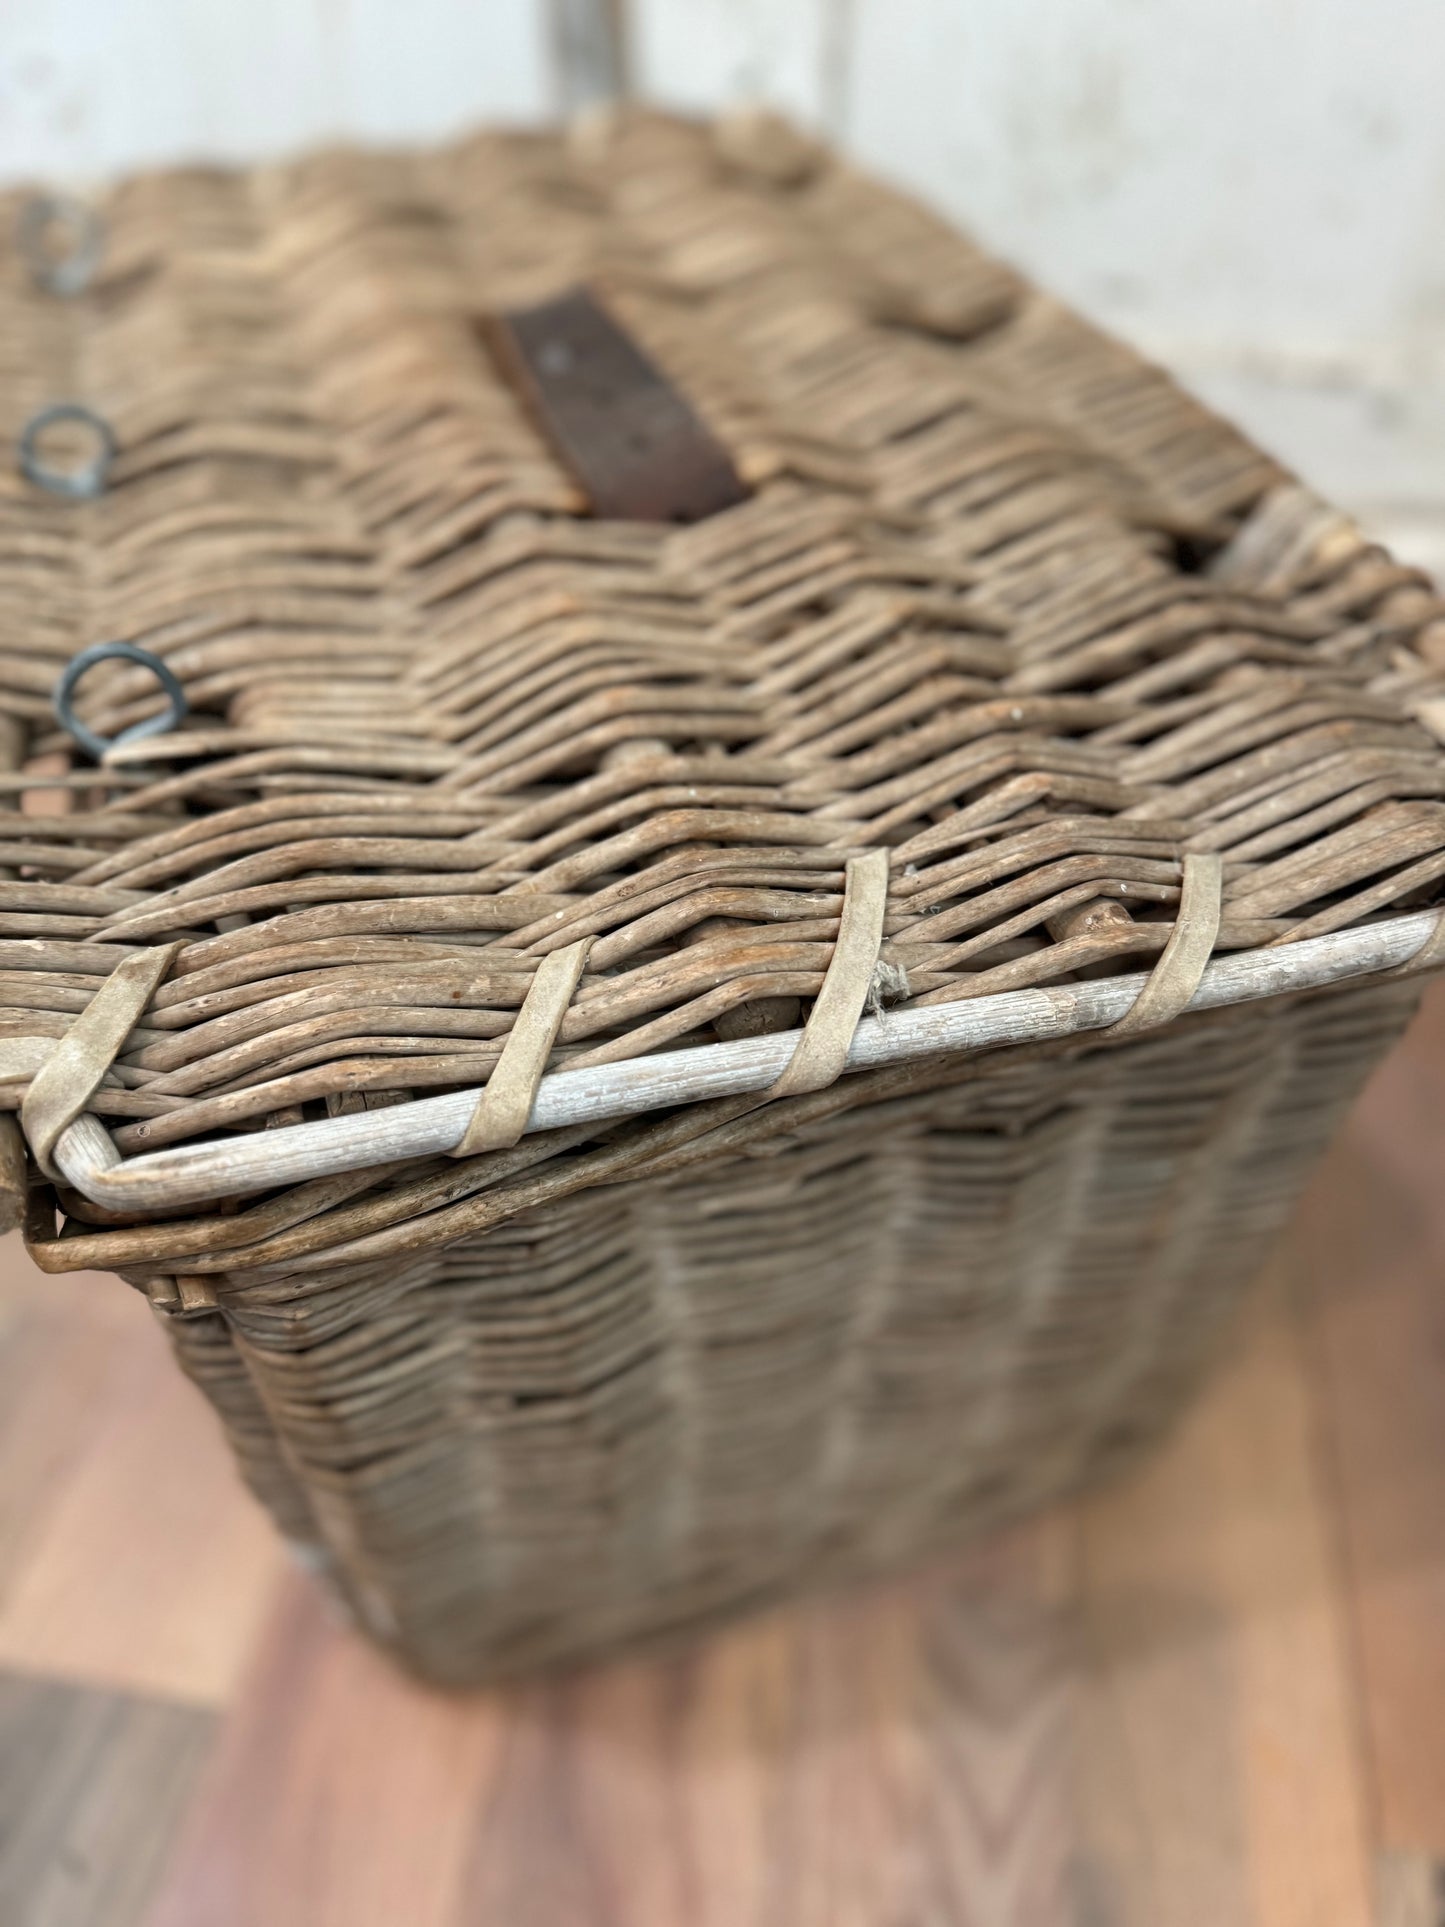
<point>780,860</point>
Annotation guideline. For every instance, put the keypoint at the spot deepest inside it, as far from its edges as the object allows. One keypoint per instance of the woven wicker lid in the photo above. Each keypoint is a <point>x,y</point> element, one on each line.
<point>1000,601</point>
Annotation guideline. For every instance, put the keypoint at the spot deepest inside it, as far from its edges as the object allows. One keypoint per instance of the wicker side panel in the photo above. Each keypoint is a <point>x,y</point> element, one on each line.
<point>658,1402</point>
<point>207,1355</point>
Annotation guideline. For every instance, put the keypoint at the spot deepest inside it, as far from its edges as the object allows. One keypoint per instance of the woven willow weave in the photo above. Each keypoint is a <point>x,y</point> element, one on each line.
<point>1000,601</point>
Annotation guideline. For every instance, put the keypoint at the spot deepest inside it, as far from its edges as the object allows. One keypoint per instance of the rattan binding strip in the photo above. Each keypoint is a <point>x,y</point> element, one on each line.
<point>822,1050</point>
<point>1182,962</point>
<point>76,1066</point>
<point>580,1100</point>
<point>505,1103</point>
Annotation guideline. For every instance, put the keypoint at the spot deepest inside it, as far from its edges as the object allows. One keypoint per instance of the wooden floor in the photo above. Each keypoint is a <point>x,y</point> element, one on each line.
<point>1214,1697</point>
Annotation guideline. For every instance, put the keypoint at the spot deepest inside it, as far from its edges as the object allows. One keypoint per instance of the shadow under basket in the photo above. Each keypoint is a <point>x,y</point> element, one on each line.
<point>761,864</point>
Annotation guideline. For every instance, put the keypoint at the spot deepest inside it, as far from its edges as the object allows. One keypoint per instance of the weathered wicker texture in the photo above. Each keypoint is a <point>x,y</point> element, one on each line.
<point>1002,601</point>
<point>961,616</point>
<point>670,1399</point>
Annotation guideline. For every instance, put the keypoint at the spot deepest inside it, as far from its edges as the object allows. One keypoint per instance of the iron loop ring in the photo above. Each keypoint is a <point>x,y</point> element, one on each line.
<point>72,272</point>
<point>77,484</point>
<point>94,745</point>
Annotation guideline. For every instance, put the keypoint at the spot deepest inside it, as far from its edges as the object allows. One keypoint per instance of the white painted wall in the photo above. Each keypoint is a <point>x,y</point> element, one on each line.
<point>1253,189</point>
<point>89,86</point>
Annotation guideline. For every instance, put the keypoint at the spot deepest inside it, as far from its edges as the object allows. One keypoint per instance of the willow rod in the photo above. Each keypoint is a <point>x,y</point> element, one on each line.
<point>193,1173</point>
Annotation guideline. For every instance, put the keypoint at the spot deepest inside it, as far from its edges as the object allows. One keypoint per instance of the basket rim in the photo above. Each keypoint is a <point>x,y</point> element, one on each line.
<point>194,1173</point>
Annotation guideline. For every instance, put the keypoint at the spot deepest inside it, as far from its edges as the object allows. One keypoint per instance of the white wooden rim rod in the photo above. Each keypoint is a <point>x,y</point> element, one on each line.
<point>261,1161</point>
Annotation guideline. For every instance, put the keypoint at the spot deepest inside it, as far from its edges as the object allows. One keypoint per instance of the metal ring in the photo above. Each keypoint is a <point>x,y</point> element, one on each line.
<point>63,274</point>
<point>96,746</point>
<point>79,484</point>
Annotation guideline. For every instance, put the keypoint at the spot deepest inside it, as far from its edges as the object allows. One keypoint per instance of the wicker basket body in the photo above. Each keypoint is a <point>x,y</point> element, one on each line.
<point>652,1404</point>
<point>999,669</point>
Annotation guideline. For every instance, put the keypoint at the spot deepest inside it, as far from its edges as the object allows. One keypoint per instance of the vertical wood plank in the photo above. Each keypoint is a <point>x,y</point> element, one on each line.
<point>1219,1708</point>
<point>56,1360</point>
<point>898,1756</point>
<point>92,1786</point>
<point>340,1795</point>
<point>1409,1891</point>
<point>131,1556</point>
<point>1370,1257</point>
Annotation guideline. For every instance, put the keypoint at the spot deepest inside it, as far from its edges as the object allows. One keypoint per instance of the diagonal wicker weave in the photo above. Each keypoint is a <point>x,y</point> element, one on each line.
<point>1000,602</point>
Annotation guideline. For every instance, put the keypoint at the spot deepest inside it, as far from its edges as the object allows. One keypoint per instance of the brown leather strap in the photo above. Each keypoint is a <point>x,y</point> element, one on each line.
<point>629,437</point>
